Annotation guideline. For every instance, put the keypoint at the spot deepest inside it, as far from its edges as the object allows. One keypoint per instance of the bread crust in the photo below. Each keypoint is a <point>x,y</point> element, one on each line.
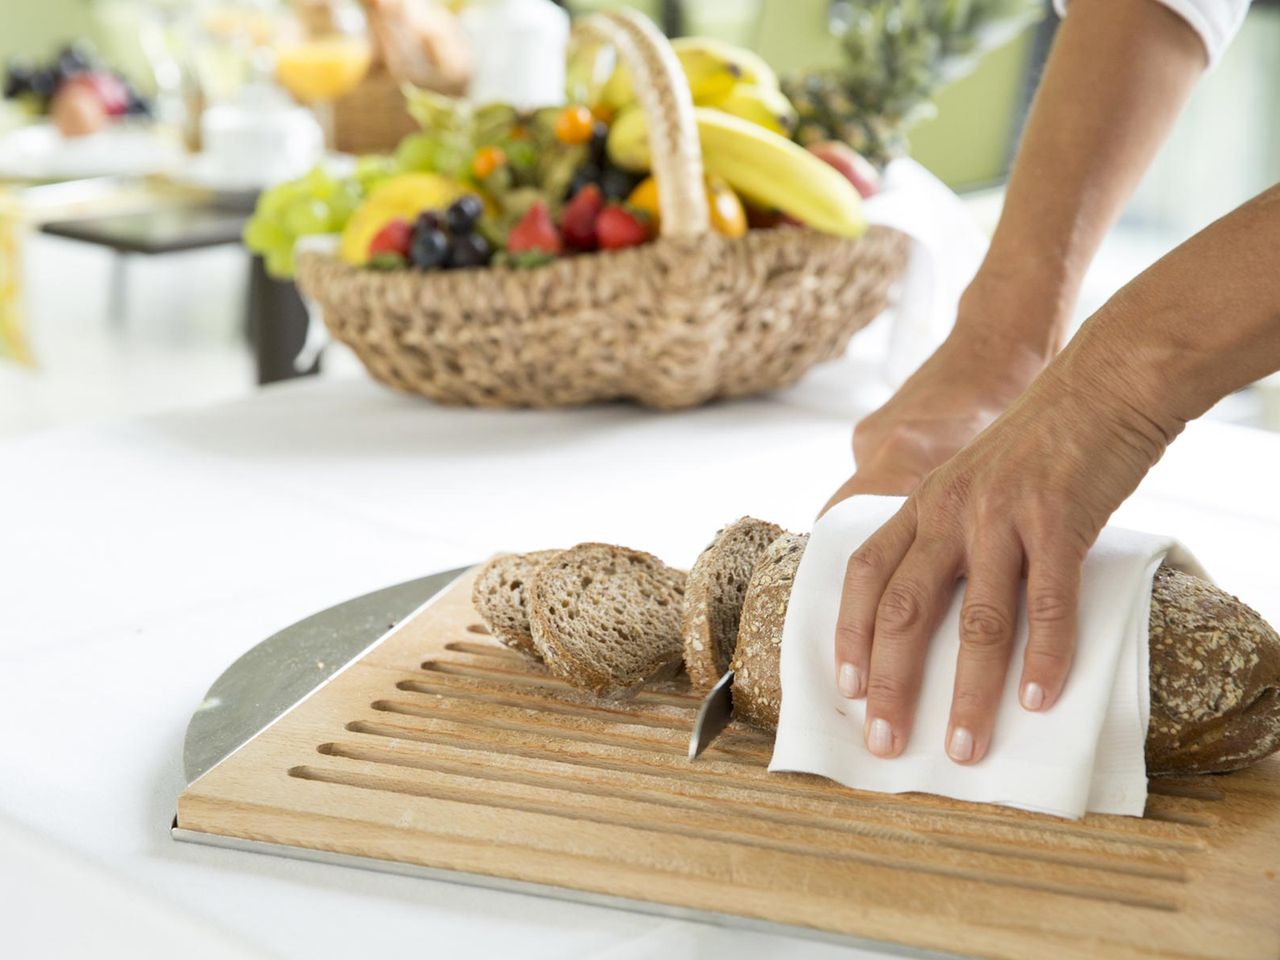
<point>607,619</point>
<point>715,594</point>
<point>757,690</point>
<point>500,596</point>
<point>1215,679</point>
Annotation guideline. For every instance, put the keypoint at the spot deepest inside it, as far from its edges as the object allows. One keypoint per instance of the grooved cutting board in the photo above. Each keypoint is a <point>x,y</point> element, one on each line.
<point>441,748</point>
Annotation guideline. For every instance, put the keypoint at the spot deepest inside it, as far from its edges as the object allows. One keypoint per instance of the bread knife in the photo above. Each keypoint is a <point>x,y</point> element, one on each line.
<point>713,715</point>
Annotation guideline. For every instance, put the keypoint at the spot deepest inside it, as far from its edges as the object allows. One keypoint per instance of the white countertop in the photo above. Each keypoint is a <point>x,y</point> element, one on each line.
<point>138,559</point>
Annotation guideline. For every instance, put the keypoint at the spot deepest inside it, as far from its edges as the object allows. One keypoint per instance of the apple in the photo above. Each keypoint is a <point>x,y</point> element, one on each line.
<point>852,165</point>
<point>77,111</point>
<point>107,87</point>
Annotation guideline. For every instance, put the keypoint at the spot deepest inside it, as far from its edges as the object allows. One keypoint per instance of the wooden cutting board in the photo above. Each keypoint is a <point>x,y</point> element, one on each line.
<point>440,748</point>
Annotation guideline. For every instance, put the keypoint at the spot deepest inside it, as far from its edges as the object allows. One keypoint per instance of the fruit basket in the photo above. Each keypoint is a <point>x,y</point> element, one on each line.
<point>690,317</point>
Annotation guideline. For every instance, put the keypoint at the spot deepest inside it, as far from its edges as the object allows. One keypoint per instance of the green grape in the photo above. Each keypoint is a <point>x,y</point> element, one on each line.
<point>319,184</point>
<point>262,234</point>
<point>452,161</point>
<point>416,153</point>
<point>343,204</point>
<point>280,264</point>
<point>274,200</point>
<point>306,217</point>
<point>521,154</point>
<point>373,168</point>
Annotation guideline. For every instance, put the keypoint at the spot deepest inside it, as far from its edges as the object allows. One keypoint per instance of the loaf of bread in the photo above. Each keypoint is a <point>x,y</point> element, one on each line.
<point>713,600</point>
<point>1214,677</point>
<point>607,619</point>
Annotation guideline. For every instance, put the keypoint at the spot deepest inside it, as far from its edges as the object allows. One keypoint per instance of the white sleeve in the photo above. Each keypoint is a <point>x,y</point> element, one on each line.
<point>1216,21</point>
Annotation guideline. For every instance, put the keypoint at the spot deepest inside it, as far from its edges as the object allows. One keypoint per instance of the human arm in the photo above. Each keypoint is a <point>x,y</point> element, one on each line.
<point>1031,493</point>
<point>1118,75</point>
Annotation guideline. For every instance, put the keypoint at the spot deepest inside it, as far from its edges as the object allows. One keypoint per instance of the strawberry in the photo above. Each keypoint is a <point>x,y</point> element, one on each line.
<point>619,226</point>
<point>534,232</point>
<point>578,221</point>
<point>396,236</point>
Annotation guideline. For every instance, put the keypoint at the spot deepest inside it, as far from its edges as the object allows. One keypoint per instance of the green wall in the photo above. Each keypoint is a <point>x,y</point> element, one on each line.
<point>38,27</point>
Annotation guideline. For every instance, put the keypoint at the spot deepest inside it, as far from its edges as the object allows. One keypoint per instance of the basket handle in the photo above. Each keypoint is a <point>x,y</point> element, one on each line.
<point>663,93</point>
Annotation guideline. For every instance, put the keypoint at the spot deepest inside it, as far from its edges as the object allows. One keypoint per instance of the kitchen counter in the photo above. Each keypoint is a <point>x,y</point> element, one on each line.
<point>139,558</point>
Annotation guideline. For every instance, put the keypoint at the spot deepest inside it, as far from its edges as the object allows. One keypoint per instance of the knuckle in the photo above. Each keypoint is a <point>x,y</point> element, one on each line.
<point>900,608</point>
<point>968,703</point>
<point>1047,608</point>
<point>864,563</point>
<point>852,635</point>
<point>1054,659</point>
<point>984,627</point>
<point>886,688</point>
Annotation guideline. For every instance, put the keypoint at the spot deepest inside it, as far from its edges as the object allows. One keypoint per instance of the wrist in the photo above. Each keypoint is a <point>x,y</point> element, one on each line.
<point>1023,308</point>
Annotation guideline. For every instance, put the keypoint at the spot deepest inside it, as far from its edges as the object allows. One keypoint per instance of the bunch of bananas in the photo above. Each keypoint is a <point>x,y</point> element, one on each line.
<point>745,123</point>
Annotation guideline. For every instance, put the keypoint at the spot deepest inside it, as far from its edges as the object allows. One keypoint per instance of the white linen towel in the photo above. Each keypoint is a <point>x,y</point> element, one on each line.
<point>1084,754</point>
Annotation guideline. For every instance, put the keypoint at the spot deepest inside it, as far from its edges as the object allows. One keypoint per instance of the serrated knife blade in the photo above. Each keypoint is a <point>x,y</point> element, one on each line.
<point>713,715</point>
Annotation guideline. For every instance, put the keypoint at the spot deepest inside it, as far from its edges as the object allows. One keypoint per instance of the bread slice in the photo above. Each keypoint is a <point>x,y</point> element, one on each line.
<point>1214,677</point>
<point>713,600</point>
<point>757,690</point>
<point>500,596</point>
<point>607,619</point>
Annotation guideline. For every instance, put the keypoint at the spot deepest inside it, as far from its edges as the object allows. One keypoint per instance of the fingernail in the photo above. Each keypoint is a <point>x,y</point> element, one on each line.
<point>1032,696</point>
<point>880,737</point>
<point>960,748</point>
<point>850,681</point>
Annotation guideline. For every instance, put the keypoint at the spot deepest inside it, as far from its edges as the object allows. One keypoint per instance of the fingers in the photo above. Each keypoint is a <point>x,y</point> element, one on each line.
<point>866,575</point>
<point>1053,591</point>
<point>914,601</point>
<point>988,620</point>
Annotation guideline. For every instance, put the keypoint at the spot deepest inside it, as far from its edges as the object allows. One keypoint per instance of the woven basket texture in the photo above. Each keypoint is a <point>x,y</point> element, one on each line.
<point>688,318</point>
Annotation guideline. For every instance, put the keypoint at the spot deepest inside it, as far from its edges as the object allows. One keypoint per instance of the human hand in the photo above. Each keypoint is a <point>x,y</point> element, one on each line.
<point>982,367</point>
<point>1027,497</point>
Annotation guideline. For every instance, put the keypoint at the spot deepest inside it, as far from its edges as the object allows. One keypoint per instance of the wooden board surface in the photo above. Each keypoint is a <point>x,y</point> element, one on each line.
<point>439,747</point>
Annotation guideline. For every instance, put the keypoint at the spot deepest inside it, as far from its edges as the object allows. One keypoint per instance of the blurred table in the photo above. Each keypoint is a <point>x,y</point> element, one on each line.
<point>140,558</point>
<point>149,233</point>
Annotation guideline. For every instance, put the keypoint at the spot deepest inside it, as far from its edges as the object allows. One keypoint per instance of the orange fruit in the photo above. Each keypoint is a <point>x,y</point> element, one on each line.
<point>574,124</point>
<point>728,217</point>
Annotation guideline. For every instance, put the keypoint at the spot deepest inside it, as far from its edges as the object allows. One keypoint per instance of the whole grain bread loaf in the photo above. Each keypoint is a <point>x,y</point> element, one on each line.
<point>500,596</point>
<point>1214,677</point>
<point>607,619</point>
<point>713,600</point>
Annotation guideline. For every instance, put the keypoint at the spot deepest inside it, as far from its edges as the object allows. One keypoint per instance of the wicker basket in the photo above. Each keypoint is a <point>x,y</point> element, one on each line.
<point>675,323</point>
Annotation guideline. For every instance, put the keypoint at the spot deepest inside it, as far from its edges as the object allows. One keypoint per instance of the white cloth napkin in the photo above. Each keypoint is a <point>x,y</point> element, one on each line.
<point>947,248</point>
<point>1084,754</point>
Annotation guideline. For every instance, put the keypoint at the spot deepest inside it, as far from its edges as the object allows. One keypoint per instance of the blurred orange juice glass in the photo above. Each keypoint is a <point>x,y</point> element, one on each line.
<point>323,68</point>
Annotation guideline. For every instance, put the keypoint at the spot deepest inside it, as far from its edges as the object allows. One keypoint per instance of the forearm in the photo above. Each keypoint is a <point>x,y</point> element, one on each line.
<point>1200,323</point>
<point>1118,74</point>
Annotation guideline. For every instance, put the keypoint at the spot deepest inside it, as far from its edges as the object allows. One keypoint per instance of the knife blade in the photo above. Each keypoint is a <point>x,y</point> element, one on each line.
<point>713,715</point>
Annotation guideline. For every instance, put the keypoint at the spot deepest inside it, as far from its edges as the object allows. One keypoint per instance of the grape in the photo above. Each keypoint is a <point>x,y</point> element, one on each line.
<point>417,153</point>
<point>307,217</point>
<point>262,234</point>
<point>280,264</point>
<point>463,213</point>
<point>343,204</point>
<point>319,184</point>
<point>430,249</point>
<point>470,250</point>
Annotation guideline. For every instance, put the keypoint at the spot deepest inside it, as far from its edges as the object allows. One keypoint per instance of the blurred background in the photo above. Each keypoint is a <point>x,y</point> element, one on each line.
<point>125,286</point>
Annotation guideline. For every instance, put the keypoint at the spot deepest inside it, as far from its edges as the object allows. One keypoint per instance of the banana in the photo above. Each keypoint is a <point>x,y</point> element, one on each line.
<point>711,66</point>
<point>765,106</point>
<point>764,168</point>
<point>711,57</point>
